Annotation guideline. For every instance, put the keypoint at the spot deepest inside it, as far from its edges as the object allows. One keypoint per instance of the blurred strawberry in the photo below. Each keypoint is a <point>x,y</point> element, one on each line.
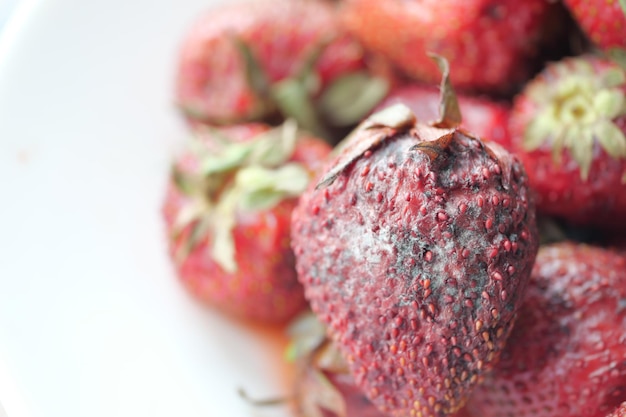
<point>566,356</point>
<point>249,61</point>
<point>415,248</point>
<point>227,211</point>
<point>492,46</point>
<point>568,127</point>
<point>603,21</point>
<point>482,116</point>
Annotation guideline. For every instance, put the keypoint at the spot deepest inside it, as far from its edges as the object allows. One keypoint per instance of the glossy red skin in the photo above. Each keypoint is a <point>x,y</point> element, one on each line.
<point>385,251</point>
<point>603,21</point>
<point>491,45</point>
<point>281,34</point>
<point>566,356</point>
<point>560,190</point>
<point>486,118</point>
<point>264,288</point>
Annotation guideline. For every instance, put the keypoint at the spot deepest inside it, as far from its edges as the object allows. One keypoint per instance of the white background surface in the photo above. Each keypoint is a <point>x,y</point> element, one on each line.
<point>6,7</point>
<point>92,320</point>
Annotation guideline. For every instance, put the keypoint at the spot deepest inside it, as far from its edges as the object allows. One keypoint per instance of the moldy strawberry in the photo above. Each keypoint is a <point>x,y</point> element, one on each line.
<point>414,248</point>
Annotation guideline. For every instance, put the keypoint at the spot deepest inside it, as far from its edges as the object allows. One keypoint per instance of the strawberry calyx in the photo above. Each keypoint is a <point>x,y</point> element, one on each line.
<point>316,358</point>
<point>234,176</point>
<point>350,97</point>
<point>577,108</point>
<point>438,134</point>
<point>344,102</point>
<point>291,96</point>
<point>306,333</point>
<point>390,121</point>
<point>316,391</point>
<point>449,110</point>
<point>371,132</point>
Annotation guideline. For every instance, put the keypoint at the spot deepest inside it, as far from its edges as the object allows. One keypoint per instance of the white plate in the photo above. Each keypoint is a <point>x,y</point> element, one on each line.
<point>92,320</point>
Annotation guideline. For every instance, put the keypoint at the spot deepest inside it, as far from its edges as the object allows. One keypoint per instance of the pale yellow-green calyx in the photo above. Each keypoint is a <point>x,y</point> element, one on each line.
<point>577,107</point>
<point>249,176</point>
<point>262,188</point>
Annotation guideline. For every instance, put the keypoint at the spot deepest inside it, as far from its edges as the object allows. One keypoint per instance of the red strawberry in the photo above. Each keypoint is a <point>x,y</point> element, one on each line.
<point>414,249</point>
<point>227,211</point>
<point>491,45</point>
<point>603,21</point>
<point>566,356</point>
<point>568,127</point>
<point>620,411</point>
<point>486,118</point>
<point>246,61</point>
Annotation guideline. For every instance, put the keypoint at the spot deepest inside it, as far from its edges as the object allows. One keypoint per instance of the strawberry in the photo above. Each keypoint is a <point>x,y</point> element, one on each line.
<point>568,127</point>
<point>492,45</point>
<point>227,212</point>
<point>414,248</point>
<point>486,118</point>
<point>246,61</point>
<point>566,356</point>
<point>603,21</point>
